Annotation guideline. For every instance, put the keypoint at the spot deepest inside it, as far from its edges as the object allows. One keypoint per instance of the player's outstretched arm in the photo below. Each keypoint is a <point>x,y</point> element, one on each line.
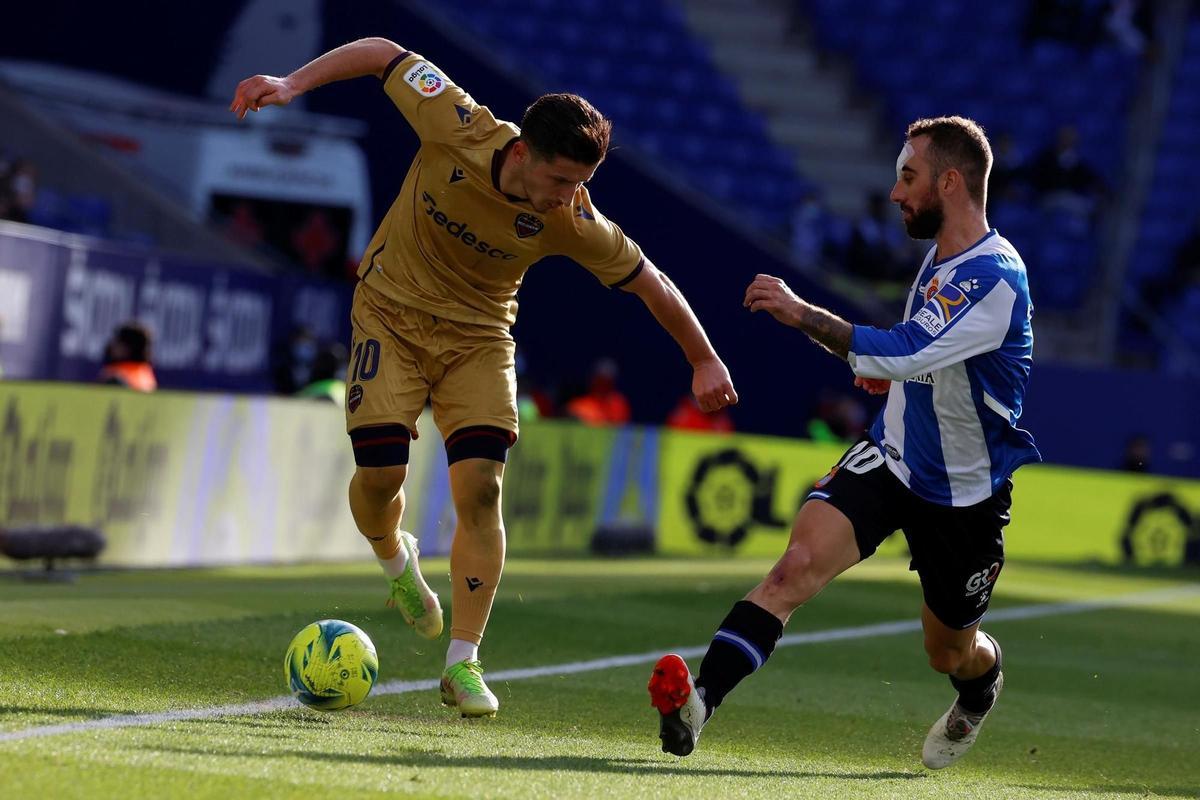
<point>711,383</point>
<point>353,60</point>
<point>770,294</point>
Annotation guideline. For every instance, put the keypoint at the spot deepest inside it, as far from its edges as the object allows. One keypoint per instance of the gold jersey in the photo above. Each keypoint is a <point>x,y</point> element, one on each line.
<point>454,245</point>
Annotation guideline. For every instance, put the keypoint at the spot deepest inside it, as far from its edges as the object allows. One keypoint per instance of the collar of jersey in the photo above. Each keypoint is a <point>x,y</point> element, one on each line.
<point>938,262</point>
<point>497,163</point>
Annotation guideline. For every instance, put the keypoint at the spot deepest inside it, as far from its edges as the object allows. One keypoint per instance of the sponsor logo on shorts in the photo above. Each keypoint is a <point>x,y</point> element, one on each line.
<point>424,81</point>
<point>982,581</point>
<point>944,307</point>
<point>528,225</point>
<point>354,398</point>
<point>460,231</point>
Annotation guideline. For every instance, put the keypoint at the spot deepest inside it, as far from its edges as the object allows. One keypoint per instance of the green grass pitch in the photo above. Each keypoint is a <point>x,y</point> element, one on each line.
<point>1099,703</point>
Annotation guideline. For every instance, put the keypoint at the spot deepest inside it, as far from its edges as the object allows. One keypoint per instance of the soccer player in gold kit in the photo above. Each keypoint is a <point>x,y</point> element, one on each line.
<point>483,200</point>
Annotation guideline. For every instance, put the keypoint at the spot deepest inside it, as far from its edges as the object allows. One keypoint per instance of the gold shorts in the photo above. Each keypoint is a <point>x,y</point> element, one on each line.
<point>402,357</point>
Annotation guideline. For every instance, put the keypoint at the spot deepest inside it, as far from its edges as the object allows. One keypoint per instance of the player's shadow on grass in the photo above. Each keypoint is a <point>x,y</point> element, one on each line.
<point>1132,789</point>
<point>83,714</point>
<point>271,725</point>
<point>412,757</point>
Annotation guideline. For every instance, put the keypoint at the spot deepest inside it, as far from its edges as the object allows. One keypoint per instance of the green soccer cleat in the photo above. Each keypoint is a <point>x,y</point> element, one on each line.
<point>463,687</point>
<point>417,603</point>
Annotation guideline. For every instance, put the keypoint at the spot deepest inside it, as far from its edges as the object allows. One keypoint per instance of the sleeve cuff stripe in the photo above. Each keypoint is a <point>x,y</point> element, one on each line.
<point>387,71</point>
<point>636,271</point>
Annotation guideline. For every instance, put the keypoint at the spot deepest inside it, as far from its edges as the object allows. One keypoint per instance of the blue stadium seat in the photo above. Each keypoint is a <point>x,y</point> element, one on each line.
<point>586,47</point>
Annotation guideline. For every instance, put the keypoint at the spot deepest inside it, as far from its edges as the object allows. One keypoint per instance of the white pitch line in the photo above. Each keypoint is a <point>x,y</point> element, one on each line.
<point>575,667</point>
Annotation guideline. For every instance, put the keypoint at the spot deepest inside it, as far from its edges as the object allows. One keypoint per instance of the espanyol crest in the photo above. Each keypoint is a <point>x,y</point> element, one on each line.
<point>528,225</point>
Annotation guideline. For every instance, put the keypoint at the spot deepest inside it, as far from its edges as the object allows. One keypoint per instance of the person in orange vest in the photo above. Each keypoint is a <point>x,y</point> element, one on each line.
<point>127,359</point>
<point>687,416</point>
<point>603,404</point>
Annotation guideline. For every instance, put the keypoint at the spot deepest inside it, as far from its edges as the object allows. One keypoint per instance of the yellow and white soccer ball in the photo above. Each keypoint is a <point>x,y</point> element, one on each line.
<point>331,665</point>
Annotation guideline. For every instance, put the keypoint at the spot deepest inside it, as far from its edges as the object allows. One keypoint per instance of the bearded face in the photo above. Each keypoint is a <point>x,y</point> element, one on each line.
<point>925,221</point>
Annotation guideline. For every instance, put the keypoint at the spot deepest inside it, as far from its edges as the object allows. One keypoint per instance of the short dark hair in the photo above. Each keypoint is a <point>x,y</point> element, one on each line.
<point>958,143</point>
<point>566,125</point>
<point>131,341</point>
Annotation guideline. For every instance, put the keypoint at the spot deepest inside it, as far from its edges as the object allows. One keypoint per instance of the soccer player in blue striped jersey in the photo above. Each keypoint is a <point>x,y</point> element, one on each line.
<point>936,463</point>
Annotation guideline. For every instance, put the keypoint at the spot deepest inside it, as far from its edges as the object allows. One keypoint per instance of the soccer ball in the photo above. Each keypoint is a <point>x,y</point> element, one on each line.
<point>331,665</point>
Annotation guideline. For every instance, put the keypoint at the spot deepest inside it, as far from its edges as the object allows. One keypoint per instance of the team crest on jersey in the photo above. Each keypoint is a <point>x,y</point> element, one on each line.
<point>528,225</point>
<point>931,289</point>
<point>821,484</point>
<point>944,307</point>
<point>354,398</point>
<point>424,81</point>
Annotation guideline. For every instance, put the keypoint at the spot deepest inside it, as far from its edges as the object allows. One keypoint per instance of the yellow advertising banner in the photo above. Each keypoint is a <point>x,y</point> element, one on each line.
<point>737,494</point>
<point>554,486</point>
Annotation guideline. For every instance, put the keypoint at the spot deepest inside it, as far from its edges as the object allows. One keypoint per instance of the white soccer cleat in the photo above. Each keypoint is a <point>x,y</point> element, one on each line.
<point>952,736</point>
<point>674,694</point>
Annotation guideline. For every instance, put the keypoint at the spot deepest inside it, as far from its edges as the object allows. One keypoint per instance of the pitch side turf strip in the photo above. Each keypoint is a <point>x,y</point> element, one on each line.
<point>404,687</point>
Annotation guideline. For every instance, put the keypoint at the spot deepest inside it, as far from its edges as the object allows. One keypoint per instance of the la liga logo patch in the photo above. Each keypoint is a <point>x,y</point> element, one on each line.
<point>424,80</point>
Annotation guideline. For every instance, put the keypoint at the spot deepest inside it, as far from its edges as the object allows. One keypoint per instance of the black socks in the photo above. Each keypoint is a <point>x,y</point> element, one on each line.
<point>741,645</point>
<point>976,695</point>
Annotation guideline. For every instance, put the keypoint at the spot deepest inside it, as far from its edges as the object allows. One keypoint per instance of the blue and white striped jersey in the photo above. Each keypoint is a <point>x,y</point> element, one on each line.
<point>959,364</point>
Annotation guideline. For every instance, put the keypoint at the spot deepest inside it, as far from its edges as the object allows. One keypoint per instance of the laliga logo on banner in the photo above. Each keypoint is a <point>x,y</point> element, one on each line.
<point>727,495</point>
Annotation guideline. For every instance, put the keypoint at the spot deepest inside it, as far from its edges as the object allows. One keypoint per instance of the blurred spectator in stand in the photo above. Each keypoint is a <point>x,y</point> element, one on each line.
<point>1009,173</point>
<point>318,245</point>
<point>1071,22</point>
<point>1184,274</point>
<point>532,402</point>
<point>18,190</point>
<point>687,416</point>
<point>810,221</point>
<point>243,226</point>
<point>128,357</point>
<point>294,361</point>
<point>878,246</point>
<point>326,379</point>
<point>839,417</point>
<point>1130,23</point>
<point>1137,454</point>
<point>603,403</point>
<point>1063,181</point>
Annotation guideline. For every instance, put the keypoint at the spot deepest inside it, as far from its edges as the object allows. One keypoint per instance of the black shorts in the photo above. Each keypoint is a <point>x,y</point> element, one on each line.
<point>957,551</point>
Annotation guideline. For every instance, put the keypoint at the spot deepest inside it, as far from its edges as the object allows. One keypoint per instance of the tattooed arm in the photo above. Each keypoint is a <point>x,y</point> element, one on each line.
<point>770,294</point>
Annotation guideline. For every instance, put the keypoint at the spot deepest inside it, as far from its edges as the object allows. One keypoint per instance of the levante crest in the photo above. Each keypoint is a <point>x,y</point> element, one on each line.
<point>528,225</point>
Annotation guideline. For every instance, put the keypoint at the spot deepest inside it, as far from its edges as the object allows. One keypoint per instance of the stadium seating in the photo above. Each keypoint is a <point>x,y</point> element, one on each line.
<point>917,74</point>
<point>1171,214</point>
<point>660,87</point>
